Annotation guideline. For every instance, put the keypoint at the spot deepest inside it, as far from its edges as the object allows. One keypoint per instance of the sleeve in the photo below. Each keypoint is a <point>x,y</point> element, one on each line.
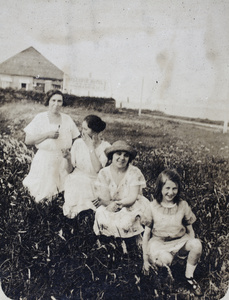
<point>136,177</point>
<point>102,179</point>
<point>101,186</point>
<point>102,156</point>
<point>35,126</point>
<point>74,129</point>
<point>189,217</point>
<point>147,216</point>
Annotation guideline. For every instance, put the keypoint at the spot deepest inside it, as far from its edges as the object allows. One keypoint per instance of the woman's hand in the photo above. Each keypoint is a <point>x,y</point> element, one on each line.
<point>97,202</point>
<point>114,207</point>
<point>53,134</point>
<point>66,153</point>
<point>146,268</point>
<point>39,138</point>
<point>89,141</point>
<point>68,164</point>
<point>120,203</point>
<point>145,241</point>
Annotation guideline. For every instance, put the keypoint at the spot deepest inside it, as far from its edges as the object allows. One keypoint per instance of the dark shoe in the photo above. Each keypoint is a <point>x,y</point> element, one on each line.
<point>194,286</point>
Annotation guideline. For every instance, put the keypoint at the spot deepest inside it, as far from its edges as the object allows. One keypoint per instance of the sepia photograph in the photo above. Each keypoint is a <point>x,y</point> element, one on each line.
<point>114,150</point>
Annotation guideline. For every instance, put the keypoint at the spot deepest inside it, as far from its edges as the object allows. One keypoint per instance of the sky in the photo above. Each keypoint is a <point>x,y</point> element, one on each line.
<point>127,43</point>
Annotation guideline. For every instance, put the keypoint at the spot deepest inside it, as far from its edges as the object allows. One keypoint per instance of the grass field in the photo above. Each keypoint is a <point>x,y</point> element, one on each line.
<point>46,256</point>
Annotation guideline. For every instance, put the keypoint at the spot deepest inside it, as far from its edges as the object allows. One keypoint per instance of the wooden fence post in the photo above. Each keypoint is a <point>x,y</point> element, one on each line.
<point>225,126</point>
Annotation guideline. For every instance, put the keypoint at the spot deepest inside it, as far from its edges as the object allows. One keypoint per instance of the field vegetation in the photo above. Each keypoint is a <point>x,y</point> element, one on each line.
<point>46,256</point>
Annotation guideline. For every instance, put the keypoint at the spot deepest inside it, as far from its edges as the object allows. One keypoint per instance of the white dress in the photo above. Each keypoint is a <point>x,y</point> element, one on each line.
<point>47,173</point>
<point>169,227</point>
<point>129,220</point>
<point>79,185</point>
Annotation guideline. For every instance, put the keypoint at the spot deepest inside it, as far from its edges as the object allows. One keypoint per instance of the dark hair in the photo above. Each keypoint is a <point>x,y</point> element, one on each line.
<point>95,123</point>
<point>51,93</point>
<point>110,157</point>
<point>172,175</point>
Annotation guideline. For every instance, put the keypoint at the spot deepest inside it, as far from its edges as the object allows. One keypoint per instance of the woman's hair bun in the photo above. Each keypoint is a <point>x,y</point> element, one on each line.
<point>95,123</point>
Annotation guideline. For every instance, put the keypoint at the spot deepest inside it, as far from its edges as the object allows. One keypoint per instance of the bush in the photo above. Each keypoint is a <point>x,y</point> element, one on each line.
<point>93,103</point>
<point>9,95</point>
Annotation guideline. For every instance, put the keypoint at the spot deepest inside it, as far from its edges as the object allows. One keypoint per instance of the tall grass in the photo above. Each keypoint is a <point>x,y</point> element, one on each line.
<point>46,256</point>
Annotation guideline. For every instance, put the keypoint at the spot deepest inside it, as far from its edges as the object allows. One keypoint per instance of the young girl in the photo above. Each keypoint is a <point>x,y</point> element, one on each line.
<point>171,229</point>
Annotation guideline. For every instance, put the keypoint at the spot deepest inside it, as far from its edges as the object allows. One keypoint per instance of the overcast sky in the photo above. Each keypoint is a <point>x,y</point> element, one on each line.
<point>103,34</point>
<point>115,40</point>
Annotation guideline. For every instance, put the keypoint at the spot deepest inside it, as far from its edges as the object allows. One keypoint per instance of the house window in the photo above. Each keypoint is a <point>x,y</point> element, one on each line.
<point>56,86</point>
<point>40,87</point>
<point>23,86</point>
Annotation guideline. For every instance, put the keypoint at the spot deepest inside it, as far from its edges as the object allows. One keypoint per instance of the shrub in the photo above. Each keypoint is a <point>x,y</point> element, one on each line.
<point>9,95</point>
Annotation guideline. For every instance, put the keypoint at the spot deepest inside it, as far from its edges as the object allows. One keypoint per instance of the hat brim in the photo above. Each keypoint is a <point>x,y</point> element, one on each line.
<point>127,149</point>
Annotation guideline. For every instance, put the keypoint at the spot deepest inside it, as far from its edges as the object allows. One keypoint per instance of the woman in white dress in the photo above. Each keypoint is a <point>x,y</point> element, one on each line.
<point>86,159</point>
<point>122,209</point>
<point>53,133</point>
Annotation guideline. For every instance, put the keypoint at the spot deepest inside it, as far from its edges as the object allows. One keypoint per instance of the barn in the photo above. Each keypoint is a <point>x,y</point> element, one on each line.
<point>30,70</point>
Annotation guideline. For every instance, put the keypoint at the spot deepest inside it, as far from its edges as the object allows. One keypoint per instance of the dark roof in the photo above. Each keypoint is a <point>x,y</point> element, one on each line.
<point>30,62</point>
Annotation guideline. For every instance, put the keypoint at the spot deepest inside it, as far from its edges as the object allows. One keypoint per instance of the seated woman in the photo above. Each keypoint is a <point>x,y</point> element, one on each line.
<point>86,159</point>
<point>122,209</point>
<point>53,133</point>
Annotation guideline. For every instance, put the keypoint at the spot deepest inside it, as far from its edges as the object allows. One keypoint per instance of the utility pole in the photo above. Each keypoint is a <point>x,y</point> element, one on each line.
<point>140,106</point>
<point>226,115</point>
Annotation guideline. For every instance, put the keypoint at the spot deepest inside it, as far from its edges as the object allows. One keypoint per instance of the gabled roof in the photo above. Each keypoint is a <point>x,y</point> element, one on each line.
<point>30,62</point>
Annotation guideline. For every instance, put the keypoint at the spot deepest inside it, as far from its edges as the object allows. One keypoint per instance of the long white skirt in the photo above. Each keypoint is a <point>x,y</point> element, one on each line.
<point>79,193</point>
<point>47,174</point>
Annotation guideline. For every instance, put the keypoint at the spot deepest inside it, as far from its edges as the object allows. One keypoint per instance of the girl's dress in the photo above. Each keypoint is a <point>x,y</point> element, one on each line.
<point>129,220</point>
<point>169,231</point>
<point>79,185</point>
<point>47,173</point>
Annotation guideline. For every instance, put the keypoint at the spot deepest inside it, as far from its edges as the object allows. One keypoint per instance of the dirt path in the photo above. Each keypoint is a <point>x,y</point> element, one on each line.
<point>207,126</point>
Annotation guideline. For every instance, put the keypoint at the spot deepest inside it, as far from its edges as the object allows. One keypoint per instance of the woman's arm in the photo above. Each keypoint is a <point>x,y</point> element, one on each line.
<point>101,189</point>
<point>104,193</point>
<point>104,202</point>
<point>67,155</point>
<point>190,231</point>
<point>95,160</point>
<point>131,198</point>
<point>38,138</point>
<point>99,201</point>
<point>90,142</point>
